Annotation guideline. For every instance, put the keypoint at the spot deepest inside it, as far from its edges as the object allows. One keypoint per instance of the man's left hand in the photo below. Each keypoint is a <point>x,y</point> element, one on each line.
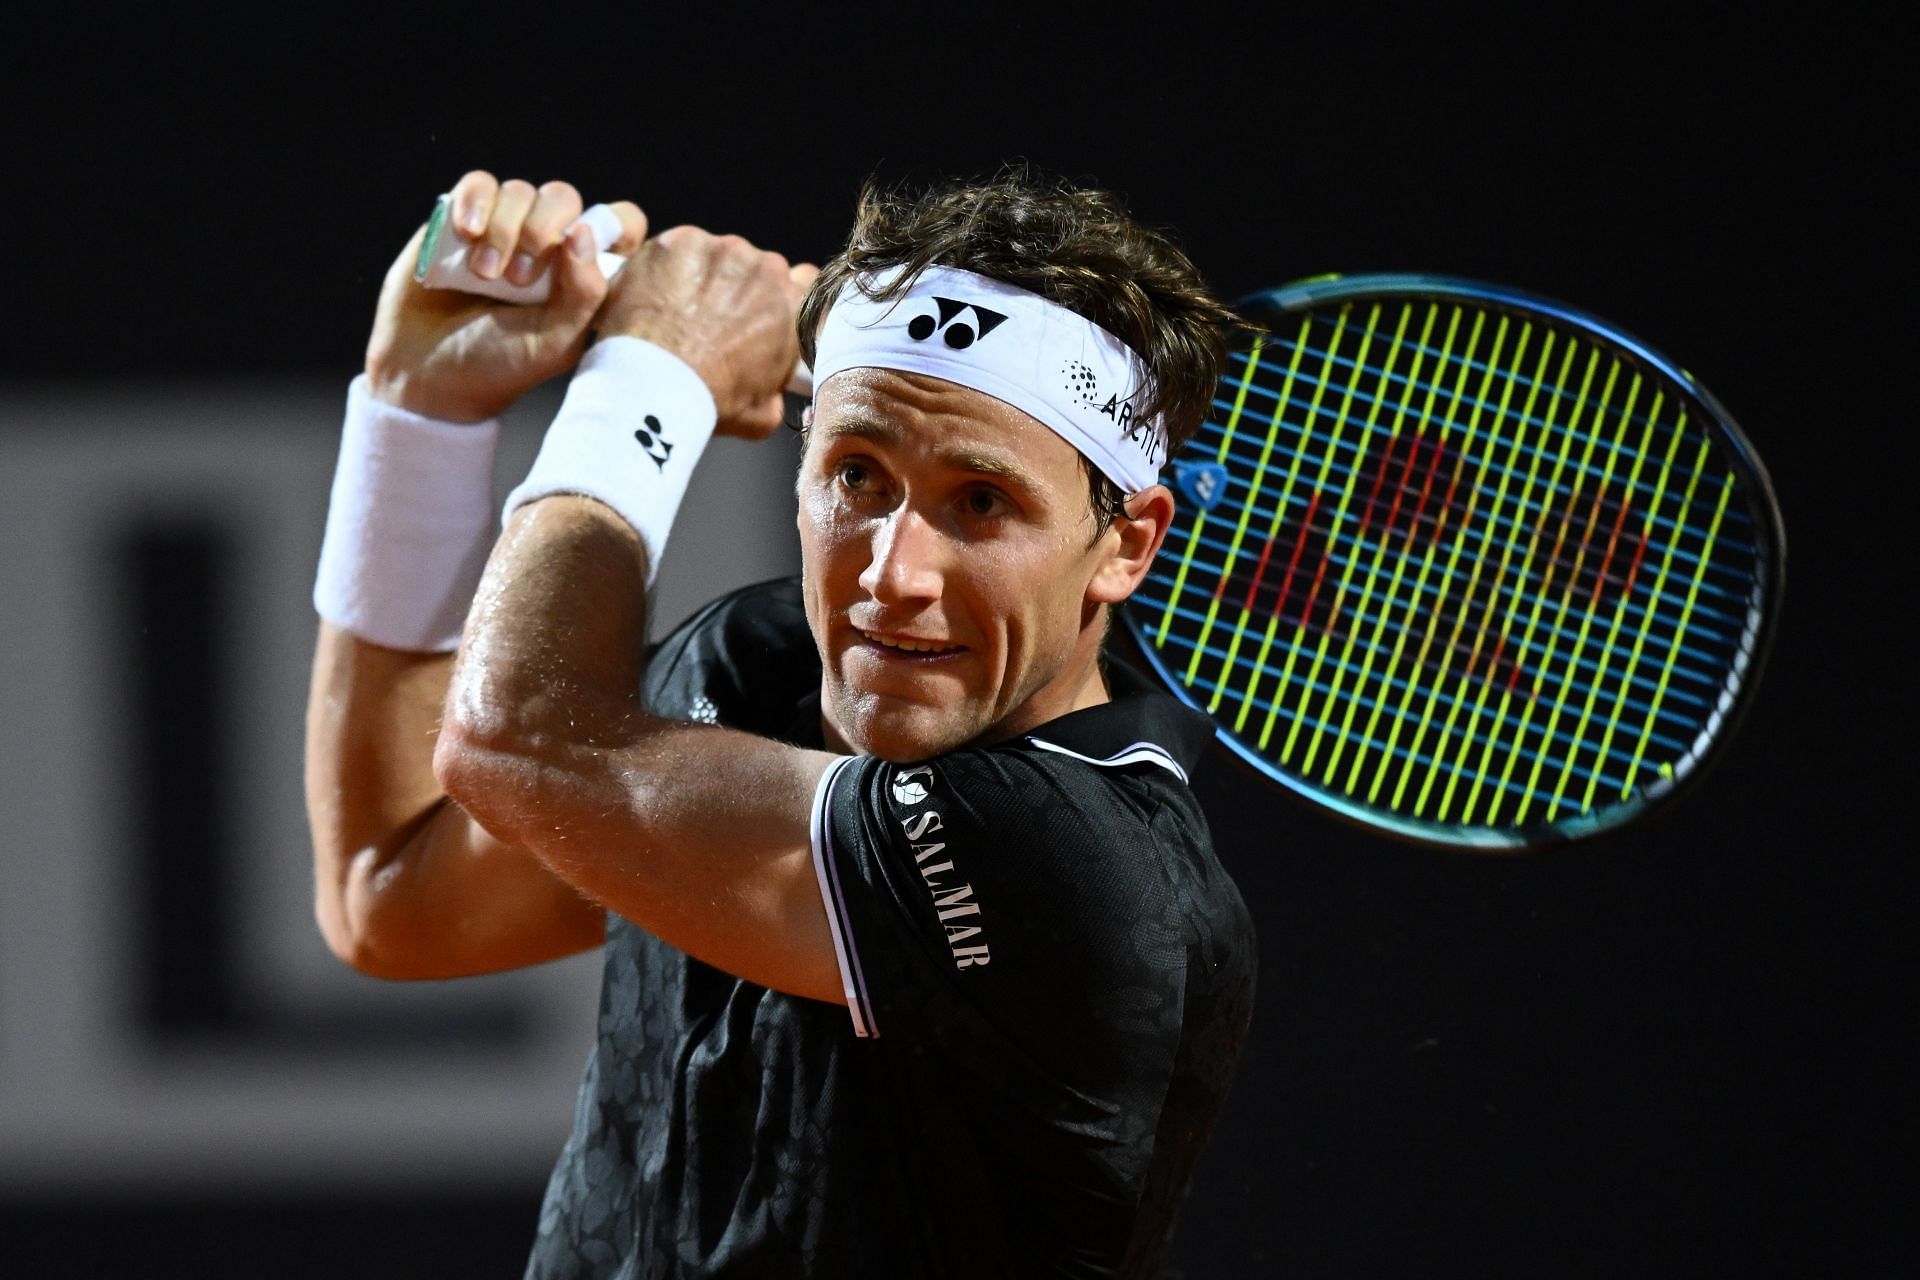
<point>726,308</point>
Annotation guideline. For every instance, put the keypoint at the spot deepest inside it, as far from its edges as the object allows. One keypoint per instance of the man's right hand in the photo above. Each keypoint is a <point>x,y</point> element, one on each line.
<point>462,358</point>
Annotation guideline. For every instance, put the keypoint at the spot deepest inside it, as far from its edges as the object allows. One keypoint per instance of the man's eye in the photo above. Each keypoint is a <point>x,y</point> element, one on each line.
<point>983,503</point>
<point>856,476</point>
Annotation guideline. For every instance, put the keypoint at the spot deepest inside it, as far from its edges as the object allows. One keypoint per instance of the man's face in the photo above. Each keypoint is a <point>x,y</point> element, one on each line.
<point>952,579</point>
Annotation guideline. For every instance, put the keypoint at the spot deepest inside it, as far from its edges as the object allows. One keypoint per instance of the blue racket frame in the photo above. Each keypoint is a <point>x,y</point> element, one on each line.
<point>1753,643</point>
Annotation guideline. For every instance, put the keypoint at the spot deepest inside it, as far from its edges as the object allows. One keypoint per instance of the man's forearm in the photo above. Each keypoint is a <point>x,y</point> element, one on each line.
<point>551,671</point>
<point>371,718</point>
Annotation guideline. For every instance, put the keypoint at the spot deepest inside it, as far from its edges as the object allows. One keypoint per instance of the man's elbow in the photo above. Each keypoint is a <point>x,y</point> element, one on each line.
<point>356,937</point>
<point>355,949</point>
<point>530,775</point>
<point>488,770</point>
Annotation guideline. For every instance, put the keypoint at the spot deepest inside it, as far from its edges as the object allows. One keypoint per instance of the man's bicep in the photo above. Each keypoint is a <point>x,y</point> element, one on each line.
<point>698,835</point>
<point>740,892</point>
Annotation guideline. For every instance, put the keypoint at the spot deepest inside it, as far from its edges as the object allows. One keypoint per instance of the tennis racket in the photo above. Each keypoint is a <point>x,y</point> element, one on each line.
<point>1463,565</point>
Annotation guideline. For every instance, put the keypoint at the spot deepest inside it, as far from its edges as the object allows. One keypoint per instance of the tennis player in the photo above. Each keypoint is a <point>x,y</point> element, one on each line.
<point>918,960</point>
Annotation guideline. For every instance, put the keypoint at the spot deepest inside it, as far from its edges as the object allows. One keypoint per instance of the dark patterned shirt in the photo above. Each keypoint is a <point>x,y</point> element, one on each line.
<point>1049,978</point>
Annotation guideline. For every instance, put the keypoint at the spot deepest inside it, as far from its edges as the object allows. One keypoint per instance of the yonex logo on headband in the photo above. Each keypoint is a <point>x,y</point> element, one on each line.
<point>1071,375</point>
<point>958,336</point>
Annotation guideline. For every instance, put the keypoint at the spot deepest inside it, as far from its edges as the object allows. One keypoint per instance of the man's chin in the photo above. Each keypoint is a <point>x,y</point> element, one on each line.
<point>904,746</point>
<point>902,734</point>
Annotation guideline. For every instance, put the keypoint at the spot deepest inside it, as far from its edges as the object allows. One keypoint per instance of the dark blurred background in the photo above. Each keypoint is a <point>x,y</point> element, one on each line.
<point>1676,1050</point>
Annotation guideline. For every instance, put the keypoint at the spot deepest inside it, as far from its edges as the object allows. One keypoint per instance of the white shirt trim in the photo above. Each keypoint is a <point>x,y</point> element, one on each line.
<point>1138,753</point>
<point>852,980</point>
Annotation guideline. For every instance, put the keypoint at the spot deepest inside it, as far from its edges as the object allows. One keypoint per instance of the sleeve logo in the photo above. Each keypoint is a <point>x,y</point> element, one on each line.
<point>959,335</point>
<point>907,787</point>
<point>954,904</point>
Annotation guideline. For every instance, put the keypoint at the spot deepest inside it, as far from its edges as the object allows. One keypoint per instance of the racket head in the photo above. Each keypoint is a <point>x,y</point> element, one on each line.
<point>1463,564</point>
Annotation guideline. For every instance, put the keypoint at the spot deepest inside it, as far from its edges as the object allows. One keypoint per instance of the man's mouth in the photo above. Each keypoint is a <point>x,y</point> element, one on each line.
<point>910,644</point>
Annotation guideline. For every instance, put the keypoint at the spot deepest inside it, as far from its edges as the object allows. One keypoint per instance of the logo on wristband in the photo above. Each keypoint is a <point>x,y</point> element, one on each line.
<point>652,438</point>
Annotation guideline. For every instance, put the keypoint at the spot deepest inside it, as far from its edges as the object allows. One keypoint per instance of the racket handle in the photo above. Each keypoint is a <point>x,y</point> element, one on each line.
<point>442,264</point>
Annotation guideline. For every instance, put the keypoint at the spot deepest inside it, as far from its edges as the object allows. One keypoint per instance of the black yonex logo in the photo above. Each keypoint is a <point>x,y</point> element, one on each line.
<point>653,439</point>
<point>958,336</point>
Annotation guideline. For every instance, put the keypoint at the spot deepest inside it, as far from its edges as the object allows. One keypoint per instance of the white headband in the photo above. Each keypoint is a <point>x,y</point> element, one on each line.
<point>1072,375</point>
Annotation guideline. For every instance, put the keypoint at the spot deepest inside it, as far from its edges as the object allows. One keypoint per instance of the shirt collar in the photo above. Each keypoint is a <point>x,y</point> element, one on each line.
<point>1139,714</point>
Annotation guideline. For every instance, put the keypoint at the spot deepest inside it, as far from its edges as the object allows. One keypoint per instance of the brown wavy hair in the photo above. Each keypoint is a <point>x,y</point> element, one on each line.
<point>1075,246</point>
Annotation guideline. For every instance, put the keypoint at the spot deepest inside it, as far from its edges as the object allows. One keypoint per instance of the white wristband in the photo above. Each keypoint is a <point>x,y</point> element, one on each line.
<point>634,423</point>
<point>408,527</point>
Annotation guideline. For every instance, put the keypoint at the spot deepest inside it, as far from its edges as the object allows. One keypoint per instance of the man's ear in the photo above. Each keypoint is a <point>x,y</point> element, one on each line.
<point>1130,545</point>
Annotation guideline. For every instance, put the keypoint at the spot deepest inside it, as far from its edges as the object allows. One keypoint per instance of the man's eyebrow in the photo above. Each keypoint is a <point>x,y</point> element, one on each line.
<point>882,432</point>
<point>865,428</point>
<point>986,464</point>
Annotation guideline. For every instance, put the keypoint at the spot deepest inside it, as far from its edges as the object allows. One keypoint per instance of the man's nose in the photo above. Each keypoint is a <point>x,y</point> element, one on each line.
<point>907,561</point>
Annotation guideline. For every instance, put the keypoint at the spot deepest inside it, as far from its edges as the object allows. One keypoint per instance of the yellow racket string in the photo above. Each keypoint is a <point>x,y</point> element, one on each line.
<point>1453,556</point>
<point>1686,615</point>
<point>1280,509</point>
<point>1200,517</point>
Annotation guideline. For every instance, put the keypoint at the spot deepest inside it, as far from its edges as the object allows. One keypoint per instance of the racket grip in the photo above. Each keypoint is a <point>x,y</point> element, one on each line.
<point>442,264</point>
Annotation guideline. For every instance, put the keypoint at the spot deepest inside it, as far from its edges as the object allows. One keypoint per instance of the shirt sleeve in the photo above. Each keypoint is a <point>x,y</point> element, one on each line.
<point>1008,909</point>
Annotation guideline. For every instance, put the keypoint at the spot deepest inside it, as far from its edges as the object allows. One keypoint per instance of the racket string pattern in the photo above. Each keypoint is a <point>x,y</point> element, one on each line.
<point>1476,573</point>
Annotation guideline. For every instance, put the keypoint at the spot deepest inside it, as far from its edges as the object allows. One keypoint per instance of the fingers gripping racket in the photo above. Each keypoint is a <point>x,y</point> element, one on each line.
<point>1463,565</point>
<point>442,264</point>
